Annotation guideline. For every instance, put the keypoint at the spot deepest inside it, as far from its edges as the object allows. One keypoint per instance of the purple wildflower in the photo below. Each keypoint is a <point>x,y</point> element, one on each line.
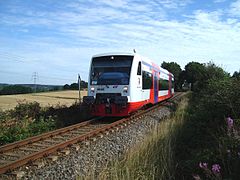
<point>203,165</point>
<point>229,123</point>
<point>216,168</point>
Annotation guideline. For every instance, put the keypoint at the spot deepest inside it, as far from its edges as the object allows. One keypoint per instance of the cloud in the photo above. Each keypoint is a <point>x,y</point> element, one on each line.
<point>173,4</point>
<point>235,8</point>
<point>115,3</point>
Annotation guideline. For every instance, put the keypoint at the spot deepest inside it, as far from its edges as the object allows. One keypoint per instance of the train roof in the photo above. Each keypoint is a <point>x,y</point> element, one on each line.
<point>115,54</point>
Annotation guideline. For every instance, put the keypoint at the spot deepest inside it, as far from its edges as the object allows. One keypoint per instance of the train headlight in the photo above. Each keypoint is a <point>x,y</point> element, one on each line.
<point>92,89</point>
<point>125,89</point>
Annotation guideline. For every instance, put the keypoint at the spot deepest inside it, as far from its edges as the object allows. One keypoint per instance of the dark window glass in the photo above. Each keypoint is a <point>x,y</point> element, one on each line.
<point>139,71</point>
<point>111,70</point>
<point>146,80</point>
<point>113,78</point>
<point>163,84</point>
<point>173,84</point>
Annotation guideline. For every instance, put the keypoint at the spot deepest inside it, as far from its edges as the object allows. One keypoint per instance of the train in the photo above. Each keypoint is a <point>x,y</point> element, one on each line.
<point>122,83</point>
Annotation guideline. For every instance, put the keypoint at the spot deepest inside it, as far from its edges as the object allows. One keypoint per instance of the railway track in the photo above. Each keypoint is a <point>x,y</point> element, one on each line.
<point>19,153</point>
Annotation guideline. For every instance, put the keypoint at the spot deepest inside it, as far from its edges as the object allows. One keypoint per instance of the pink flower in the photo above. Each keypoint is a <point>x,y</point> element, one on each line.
<point>203,165</point>
<point>230,123</point>
<point>216,168</point>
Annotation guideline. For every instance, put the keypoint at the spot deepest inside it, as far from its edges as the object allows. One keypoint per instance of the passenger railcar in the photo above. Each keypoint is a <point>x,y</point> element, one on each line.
<point>121,83</point>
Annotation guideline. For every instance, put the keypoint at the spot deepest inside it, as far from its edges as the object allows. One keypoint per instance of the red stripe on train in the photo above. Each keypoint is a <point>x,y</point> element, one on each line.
<point>100,109</point>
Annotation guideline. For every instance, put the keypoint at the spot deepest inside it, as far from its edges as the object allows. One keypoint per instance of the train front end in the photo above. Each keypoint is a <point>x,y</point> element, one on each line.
<point>108,85</point>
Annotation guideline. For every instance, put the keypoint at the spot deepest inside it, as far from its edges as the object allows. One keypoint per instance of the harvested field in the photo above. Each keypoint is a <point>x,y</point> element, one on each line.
<point>45,99</point>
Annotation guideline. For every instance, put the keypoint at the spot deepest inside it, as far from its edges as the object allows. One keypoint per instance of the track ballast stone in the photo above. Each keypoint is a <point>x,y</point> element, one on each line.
<point>92,158</point>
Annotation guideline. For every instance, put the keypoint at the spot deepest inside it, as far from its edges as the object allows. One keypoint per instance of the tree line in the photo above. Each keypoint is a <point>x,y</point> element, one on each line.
<point>22,89</point>
<point>74,86</point>
<point>15,89</point>
<point>195,73</point>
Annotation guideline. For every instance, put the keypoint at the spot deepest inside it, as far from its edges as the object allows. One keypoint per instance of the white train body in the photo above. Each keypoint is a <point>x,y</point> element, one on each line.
<point>121,83</point>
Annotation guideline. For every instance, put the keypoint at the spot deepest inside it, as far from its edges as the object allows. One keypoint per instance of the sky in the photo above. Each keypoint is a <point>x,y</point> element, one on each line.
<point>56,39</point>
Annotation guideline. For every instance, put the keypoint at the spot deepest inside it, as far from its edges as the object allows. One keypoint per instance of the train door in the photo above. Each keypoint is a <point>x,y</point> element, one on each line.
<point>155,87</point>
<point>170,85</point>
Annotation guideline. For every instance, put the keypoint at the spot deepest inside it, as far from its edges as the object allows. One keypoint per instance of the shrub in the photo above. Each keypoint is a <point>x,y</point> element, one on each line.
<point>29,119</point>
<point>22,110</point>
<point>24,129</point>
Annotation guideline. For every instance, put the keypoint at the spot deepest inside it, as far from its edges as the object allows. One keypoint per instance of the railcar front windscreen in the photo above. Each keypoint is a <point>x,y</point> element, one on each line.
<point>111,70</point>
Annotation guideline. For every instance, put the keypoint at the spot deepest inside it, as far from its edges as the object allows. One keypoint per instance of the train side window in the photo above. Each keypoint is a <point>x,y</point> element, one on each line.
<point>139,70</point>
<point>163,84</point>
<point>147,80</point>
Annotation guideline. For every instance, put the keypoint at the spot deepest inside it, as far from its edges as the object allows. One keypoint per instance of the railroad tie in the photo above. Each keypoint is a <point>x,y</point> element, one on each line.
<point>4,162</point>
<point>12,154</point>
<point>51,141</point>
<point>28,149</point>
<point>40,145</point>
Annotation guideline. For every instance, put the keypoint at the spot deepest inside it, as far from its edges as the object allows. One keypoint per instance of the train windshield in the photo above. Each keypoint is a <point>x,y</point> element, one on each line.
<point>111,70</point>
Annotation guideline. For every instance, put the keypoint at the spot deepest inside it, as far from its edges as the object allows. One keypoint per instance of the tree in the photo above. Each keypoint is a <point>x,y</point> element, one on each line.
<point>175,69</point>
<point>236,74</point>
<point>83,84</point>
<point>213,71</point>
<point>15,89</point>
<point>194,71</point>
<point>66,87</point>
<point>199,74</point>
<point>74,86</point>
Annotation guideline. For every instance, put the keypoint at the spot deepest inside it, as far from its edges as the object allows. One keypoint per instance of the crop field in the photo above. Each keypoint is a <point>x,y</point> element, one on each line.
<point>45,99</point>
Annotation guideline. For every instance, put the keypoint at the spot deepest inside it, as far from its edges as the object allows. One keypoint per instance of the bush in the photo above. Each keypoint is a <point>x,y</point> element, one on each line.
<point>29,119</point>
<point>22,110</point>
<point>25,120</point>
<point>24,129</point>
